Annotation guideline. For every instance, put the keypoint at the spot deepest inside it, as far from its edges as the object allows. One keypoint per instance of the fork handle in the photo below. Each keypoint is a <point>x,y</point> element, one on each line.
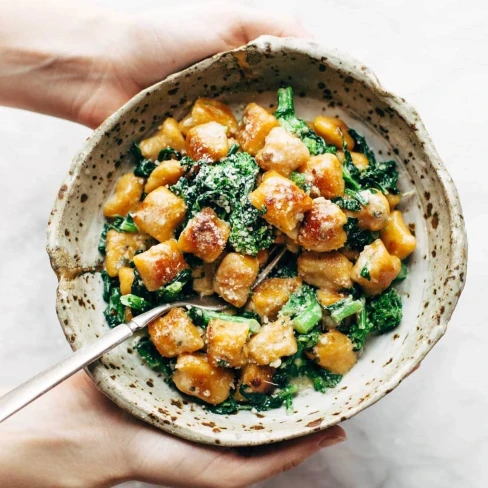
<point>24,394</point>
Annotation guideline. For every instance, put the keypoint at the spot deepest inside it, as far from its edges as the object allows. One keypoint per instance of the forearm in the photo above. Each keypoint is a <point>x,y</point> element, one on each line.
<point>53,57</point>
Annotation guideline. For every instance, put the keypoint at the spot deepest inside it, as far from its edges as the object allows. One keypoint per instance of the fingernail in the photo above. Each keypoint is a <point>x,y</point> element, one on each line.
<point>332,441</point>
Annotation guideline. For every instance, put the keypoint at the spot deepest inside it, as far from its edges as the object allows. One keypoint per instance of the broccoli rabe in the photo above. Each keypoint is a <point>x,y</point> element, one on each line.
<point>299,365</point>
<point>120,224</point>
<point>303,308</point>
<point>301,181</point>
<point>225,187</point>
<point>344,308</point>
<point>385,311</point>
<point>172,291</point>
<point>285,113</point>
<point>135,302</point>
<point>380,314</point>
<point>202,318</point>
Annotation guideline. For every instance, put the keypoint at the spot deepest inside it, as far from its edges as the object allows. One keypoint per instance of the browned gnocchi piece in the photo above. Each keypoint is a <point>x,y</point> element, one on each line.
<point>282,152</point>
<point>205,236</point>
<point>207,110</point>
<point>324,173</point>
<point>255,379</point>
<point>195,376</point>
<point>234,278</point>
<point>259,379</point>
<point>168,135</point>
<point>376,214</point>
<point>333,130</point>
<point>269,296</point>
<point>207,141</point>
<point>160,214</point>
<point>273,341</point>
<point>255,125</point>
<point>121,247</point>
<point>226,342</point>
<point>396,236</point>
<point>167,173</point>
<point>126,198</point>
<point>322,228</point>
<point>334,352</point>
<point>375,268</point>
<point>126,278</point>
<point>358,159</point>
<point>160,264</point>
<point>174,334</point>
<point>284,202</point>
<point>331,270</point>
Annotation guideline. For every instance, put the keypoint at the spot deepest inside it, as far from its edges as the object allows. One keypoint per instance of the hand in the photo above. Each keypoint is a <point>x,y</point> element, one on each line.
<point>82,63</point>
<point>75,436</point>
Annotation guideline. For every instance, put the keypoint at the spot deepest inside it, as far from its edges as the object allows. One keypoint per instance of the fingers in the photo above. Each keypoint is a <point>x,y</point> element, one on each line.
<point>264,462</point>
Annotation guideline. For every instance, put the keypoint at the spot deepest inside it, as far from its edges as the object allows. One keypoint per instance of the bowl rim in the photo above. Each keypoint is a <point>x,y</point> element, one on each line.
<point>340,61</point>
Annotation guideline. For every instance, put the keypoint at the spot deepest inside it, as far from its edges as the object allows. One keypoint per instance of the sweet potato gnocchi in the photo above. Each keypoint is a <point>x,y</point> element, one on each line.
<point>208,200</point>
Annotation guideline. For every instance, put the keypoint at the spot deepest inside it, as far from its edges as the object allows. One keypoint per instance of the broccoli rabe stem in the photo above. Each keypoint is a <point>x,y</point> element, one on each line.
<point>308,319</point>
<point>203,317</point>
<point>135,302</point>
<point>344,308</point>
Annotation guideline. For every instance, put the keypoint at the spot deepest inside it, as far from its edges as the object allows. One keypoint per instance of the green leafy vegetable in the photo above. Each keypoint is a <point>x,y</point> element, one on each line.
<point>115,312</point>
<point>347,204</point>
<point>285,113</point>
<point>344,308</point>
<point>233,149</point>
<point>383,176</point>
<point>202,318</point>
<point>301,181</point>
<point>168,153</point>
<point>144,167</point>
<point>147,350</point>
<point>402,275</point>
<point>358,238</point>
<point>380,314</point>
<point>385,311</point>
<point>365,272</point>
<point>120,224</point>
<point>135,302</point>
<point>225,187</point>
<point>286,268</point>
<point>172,290</point>
<point>303,308</point>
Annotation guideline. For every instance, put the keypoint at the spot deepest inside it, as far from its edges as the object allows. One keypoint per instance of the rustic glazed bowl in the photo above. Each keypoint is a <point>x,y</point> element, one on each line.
<point>324,81</point>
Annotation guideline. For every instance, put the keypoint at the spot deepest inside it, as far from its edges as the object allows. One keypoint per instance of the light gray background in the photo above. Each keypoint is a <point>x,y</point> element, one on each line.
<point>432,431</point>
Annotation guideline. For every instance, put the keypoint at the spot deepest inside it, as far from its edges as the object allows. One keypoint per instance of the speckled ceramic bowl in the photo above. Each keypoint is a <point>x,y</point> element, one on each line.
<point>324,81</point>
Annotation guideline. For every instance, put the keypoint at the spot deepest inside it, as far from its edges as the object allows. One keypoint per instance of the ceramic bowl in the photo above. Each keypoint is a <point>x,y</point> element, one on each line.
<point>324,81</point>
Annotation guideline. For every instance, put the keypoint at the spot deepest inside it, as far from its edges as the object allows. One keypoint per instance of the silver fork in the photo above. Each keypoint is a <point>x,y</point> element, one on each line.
<point>19,397</point>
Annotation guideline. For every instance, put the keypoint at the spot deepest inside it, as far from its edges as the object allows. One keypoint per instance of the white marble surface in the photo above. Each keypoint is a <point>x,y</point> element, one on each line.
<point>432,431</point>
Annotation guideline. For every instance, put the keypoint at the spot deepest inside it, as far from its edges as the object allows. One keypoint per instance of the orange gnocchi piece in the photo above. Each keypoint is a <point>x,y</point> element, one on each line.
<point>207,141</point>
<point>160,264</point>
<point>174,334</point>
<point>205,236</point>
<point>126,198</point>
<point>324,173</point>
<point>396,236</point>
<point>254,127</point>
<point>160,214</point>
<point>284,202</point>
<point>333,130</point>
<point>323,227</point>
